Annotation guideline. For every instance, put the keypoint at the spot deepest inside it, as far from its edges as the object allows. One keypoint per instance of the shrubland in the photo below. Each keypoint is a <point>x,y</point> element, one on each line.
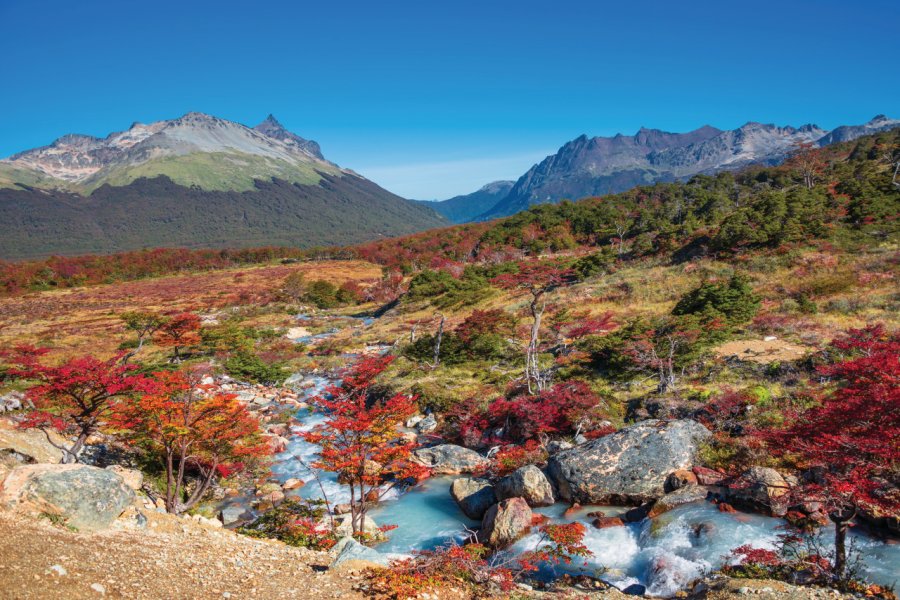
<point>761,303</point>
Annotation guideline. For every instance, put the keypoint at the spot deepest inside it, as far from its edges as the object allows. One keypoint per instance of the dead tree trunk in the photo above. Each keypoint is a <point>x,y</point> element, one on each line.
<point>437,342</point>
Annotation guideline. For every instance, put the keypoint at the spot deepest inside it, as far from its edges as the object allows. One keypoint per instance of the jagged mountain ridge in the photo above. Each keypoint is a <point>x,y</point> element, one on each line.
<point>197,181</point>
<point>603,165</point>
<point>464,208</point>
<point>178,148</point>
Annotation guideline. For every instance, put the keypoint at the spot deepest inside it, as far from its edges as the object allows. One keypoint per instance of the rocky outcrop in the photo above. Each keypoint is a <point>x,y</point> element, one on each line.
<point>761,489</point>
<point>448,459</point>
<point>28,445</point>
<point>11,401</point>
<point>527,482</point>
<point>349,554</point>
<point>506,522</point>
<point>474,496</point>
<point>628,466</point>
<point>84,497</point>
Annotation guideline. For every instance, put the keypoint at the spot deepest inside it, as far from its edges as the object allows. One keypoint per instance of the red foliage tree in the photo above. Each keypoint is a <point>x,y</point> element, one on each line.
<point>179,331</point>
<point>657,351</point>
<point>849,442</point>
<point>75,397</point>
<point>191,426</point>
<point>538,279</point>
<point>481,322</point>
<point>360,439</point>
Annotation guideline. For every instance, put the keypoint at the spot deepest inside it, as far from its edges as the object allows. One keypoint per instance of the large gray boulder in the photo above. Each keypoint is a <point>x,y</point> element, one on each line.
<point>527,482</point>
<point>629,466</point>
<point>84,497</point>
<point>505,522</point>
<point>474,496</point>
<point>349,553</point>
<point>448,459</point>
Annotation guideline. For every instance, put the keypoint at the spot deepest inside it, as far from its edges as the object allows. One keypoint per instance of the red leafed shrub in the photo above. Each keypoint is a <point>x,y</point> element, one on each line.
<point>512,457</point>
<point>561,409</point>
<point>849,440</point>
<point>748,555</point>
<point>179,331</point>
<point>485,322</point>
<point>472,567</point>
<point>360,438</point>
<point>75,397</point>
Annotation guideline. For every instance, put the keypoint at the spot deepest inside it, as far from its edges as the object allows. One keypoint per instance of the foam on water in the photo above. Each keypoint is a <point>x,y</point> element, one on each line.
<point>664,554</point>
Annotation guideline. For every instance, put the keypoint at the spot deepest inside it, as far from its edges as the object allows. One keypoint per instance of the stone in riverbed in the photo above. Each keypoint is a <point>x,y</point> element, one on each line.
<point>85,497</point>
<point>684,495</point>
<point>233,514</point>
<point>427,425</point>
<point>448,459</point>
<point>762,489</point>
<point>506,522</point>
<point>628,466</point>
<point>679,479</point>
<point>527,482</point>
<point>474,496</point>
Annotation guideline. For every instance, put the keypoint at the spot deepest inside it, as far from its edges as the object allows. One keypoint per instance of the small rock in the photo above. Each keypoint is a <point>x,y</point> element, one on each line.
<point>98,588</point>
<point>474,496</point>
<point>505,522</point>
<point>427,425</point>
<point>607,522</point>
<point>527,482</point>
<point>59,570</point>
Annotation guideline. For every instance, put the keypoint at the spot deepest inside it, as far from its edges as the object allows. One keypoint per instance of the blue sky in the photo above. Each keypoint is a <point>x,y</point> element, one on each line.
<point>432,99</point>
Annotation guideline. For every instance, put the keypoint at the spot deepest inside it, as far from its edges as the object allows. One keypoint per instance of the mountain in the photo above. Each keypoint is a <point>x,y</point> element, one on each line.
<point>462,209</point>
<point>603,165</point>
<point>195,181</point>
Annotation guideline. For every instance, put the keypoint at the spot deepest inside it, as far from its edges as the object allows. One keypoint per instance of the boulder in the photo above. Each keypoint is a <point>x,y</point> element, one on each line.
<point>343,526</point>
<point>11,401</point>
<point>474,496</point>
<point>527,482</point>
<point>679,479</point>
<point>707,476</point>
<point>132,477</point>
<point>684,495</point>
<point>555,446</point>
<point>448,459</point>
<point>506,522</point>
<point>762,489</point>
<point>233,514</point>
<point>84,497</point>
<point>427,425</point>
<point>607,522</point>
<point>628,466</point>
<point>24,446</point>
<point>293,484</point>
<point>414,420</point>
<point>350,554</point>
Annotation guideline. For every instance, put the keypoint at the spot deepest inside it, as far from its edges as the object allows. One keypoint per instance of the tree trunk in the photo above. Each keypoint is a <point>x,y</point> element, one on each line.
<point>170,482</point>
<point>437,342</point>
<point>841,521</point>
<point>532,368</point>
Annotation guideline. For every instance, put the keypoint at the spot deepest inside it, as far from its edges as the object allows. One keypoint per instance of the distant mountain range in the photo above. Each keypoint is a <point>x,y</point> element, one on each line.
<point>465,208</point>
<point>603,165</point>
<point>196,181</point>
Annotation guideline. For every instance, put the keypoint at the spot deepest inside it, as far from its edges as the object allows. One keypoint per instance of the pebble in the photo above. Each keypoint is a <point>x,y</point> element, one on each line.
<point>59,569</point>
<point>98,588</point>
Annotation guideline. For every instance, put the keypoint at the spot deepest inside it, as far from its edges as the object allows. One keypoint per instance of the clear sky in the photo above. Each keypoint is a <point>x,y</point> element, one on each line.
<point>432,99</point>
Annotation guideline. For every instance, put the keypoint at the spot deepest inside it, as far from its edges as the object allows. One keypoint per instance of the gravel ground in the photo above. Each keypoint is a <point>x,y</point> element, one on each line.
<point>171,558</point>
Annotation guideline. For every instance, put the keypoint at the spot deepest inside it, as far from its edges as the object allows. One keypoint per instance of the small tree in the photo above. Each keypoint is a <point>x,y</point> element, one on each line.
<point>657,351</point>
<point>179,331</point>
<point>294,286</point>
<point>191,426</point>
<point>144,325</point>
<point>538,279</point>
<point>809,161</point>
<point>849,441</point>
<point>75,397</point>
<point>360,438</point>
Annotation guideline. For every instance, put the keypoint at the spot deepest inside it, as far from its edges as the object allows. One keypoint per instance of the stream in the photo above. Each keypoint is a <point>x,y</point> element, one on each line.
<point>664,554</point>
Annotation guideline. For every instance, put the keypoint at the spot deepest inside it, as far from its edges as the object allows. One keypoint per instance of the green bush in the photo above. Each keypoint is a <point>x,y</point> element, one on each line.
<point>732,302</point>
<point>247,366</point>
